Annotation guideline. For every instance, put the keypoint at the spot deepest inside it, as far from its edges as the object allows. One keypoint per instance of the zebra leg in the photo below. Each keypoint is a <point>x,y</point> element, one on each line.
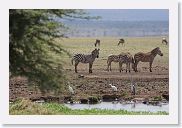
<point>126,66</point>
<point>108,65</point>
<point>120,66</point>
<point>76,64</point>
<point>90,67</point>
<point>136,64</point>
<point>129,67</point>
<point>150,63</point>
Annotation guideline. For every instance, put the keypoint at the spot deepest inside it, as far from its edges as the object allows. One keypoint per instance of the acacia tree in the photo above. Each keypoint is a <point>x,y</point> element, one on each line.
<point>32,45</point>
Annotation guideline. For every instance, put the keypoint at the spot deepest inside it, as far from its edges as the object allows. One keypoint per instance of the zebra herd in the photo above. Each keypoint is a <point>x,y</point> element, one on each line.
<point>122,58</point>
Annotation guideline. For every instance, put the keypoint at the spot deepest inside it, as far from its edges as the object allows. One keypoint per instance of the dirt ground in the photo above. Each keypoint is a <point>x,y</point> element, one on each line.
<point>148,84</point>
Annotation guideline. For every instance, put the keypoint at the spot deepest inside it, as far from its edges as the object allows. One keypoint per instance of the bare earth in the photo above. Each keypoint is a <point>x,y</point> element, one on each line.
<point>149,84</point>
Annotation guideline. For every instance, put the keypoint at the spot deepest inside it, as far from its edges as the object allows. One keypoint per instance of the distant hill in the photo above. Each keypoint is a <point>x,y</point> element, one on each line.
<point>101,28</point>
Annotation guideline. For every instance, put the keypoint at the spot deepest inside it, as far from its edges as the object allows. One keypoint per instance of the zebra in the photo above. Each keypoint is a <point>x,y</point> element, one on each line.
<point>147,57</point>
<point>121,58</point>
<point>121,41</point>
<point>112,58</point>
<point>97,42</point>
<point>164,41</point>
<point>128,59</point>
<point>85,59</point>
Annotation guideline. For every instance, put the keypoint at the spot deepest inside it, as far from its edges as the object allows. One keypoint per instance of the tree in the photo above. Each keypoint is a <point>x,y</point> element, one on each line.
<point>33,43</point>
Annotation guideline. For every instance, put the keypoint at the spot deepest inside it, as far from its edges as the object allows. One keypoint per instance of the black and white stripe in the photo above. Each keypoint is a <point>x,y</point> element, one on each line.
<point>125,58</point>
<point>147,57</point>
<point>82,58</point>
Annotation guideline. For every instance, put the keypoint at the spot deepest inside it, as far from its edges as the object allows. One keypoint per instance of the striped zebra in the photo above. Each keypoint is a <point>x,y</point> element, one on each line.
<point>85,59</point>
<point>147,57</point>
<point>127,59</point>
<point>121,58</point>
<point>121,41</point>
<point>97,42</point>
<point>110,59</point>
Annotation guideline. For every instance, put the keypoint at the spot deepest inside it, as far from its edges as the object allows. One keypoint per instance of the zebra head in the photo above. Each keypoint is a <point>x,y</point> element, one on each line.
<point>158,51</point>
<point>95,53</point>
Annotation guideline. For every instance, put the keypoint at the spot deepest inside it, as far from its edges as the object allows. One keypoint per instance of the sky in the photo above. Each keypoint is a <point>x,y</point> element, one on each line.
<point>131,14</point>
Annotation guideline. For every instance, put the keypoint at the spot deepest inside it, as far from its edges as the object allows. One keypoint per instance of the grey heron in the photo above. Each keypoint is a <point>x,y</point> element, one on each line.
<point>133,89</point>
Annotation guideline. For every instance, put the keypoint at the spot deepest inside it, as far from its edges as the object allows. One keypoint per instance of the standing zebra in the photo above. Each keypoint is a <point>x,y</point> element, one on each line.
<point>147,57</point>
<point>164,41</point>
<point>126,58</point>
<point>112,58</point>
<point>85,59</point>
<point>121,41</point>
<point>121,58</point>
<point>97,42</point>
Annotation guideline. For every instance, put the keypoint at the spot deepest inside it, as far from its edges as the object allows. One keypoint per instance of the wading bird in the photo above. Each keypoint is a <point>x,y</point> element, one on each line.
<point>113,88</point>
<point>71,90</point>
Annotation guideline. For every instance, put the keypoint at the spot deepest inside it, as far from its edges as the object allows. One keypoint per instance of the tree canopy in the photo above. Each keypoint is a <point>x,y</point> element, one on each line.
<point>32,37</point>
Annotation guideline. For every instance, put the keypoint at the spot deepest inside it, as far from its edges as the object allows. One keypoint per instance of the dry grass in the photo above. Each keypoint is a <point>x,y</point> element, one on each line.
<point>109,46</point>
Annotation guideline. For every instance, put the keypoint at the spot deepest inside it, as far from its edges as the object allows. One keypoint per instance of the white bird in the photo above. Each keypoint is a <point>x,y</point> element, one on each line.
<point>113,88</point>
<point>71,90</point>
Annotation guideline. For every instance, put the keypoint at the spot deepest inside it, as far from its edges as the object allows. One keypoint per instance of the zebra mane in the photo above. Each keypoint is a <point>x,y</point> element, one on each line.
<point>93,52</point>
<point>155,49</point>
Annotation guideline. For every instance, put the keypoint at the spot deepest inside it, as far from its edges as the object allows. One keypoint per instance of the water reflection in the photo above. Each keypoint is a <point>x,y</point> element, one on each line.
<point>124,106</point>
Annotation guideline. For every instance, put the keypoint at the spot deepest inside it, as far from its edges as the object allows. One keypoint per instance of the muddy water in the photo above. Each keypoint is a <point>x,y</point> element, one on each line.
<point>122,106</point>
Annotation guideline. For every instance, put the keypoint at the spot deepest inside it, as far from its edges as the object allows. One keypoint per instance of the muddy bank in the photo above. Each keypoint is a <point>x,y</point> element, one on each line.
<point>95,87</point>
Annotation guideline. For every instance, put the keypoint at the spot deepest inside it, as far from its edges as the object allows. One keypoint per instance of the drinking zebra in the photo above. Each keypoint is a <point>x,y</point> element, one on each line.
<point>85,59</point>
<point>146,57</point>
<point>164,41</point>
<point>97,42</point>
<point>121,41</point>
<point>121,58</point>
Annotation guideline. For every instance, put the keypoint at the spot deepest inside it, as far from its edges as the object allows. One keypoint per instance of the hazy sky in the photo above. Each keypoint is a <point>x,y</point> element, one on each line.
<point>131,14</point>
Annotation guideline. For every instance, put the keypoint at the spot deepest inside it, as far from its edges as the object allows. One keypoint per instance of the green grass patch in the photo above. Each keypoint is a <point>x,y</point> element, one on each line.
<point>26,107</point>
